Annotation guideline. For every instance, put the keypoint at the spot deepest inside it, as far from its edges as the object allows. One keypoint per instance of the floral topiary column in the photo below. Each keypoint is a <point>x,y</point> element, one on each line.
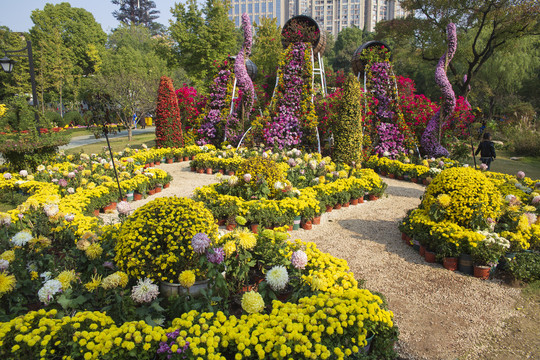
<point>168,122</point>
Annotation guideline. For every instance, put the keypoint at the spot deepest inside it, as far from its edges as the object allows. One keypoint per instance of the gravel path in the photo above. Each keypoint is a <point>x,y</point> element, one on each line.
<point>440,314</point>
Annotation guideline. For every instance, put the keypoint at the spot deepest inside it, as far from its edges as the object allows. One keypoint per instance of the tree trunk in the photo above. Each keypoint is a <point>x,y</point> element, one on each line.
<point>130,135</point>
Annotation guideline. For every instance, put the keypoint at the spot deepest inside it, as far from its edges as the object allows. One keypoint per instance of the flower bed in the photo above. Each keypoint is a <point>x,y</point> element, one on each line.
<point>485,215</point>
<point>307,184</point>
<point>324,315</point>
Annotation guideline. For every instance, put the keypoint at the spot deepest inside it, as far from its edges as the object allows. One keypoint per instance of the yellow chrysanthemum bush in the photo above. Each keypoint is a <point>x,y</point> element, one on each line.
<point>472,196</point>
<point>155,241</point>
<point>259,169</point>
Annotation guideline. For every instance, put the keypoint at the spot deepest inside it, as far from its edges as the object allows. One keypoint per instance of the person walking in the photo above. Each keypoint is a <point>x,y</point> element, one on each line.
<point>486,148</point>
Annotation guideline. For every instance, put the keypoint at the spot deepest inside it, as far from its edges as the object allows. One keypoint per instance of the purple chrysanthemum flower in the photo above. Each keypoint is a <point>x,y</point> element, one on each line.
<point>200,243</point>
<point>216,255</point>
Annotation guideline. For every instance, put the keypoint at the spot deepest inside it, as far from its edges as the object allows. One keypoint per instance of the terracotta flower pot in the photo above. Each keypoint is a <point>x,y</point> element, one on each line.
<point>186,158</point>
<point>200,171</point>
<point>361,200</point>
<point>231,227</point>
<point>254,228</point>
<point>317,220</point>
<point>346,204</point>
<point>424,181</point>
<point>482,272</point>
<point>222,222</point>
<point>337,206</point>
<point>137,196</point>
<point>166,186</point>
<point>230,173</point>
<point>430,256</point>
<point>308,225</point>
<point>96,212</point>
<point>329,208</point>
<point>170,161</point>
<point>383,173</point>
<point>422,250</point>
<point>209,171</point>
<point>373,197</point>
<point>392,176</point>
<point>151,191</point>
<point>450,263</point>
<point>152,164</point>
<point>290,228</point>
<point>354,202</point>
<point>221,171</point>
<point>157,162</point>
<point>192,169</point>
<point>158,189</point>
<point>414,180</point>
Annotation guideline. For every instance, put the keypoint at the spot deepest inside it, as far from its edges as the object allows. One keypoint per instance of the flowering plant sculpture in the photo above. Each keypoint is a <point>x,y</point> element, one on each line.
<point>430,140</point>
<point>390,141</point>
<point>246,95</point>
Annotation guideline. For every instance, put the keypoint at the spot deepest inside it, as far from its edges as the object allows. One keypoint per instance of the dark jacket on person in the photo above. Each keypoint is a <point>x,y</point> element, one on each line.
<point>486,149</point>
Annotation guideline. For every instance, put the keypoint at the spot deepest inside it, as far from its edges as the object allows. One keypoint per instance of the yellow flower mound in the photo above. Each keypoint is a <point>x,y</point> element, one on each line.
<point>471,193</point>
<point>246,239</point>
<point>259,167</point>
<point>252,302</point>
<point>155,241</point>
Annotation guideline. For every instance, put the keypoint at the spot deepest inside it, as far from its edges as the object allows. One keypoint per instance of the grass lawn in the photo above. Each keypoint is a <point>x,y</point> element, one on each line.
<point>503,164</point>
<point>117,144</point>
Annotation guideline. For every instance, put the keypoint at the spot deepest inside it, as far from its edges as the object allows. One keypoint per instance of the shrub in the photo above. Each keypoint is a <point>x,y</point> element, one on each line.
<point>473,196</point>
<point>73,117</point>
<point>526,266</point>
<point>155,242</point>
<point>54,118</point>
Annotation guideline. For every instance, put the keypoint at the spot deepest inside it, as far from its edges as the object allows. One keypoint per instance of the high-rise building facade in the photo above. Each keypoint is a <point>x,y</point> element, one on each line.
<point>332,15</point>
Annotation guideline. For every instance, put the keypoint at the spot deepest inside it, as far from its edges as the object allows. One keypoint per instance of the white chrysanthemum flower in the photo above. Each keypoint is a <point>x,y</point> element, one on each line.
<point>278,185</point>
<point>4,264</point>
<point>145,291</point>
<point>51,209</point>
<point>21,238</point>
<point>47,275</point>
<point>71,190</point>
<point>123,208</point>
<point>277,277</point>
<point>299,259</point>
<point>49,289</point>
<point>233,180</point>
<point>23,173</point>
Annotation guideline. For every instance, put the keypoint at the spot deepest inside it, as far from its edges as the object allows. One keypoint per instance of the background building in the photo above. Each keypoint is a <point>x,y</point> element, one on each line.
<point>332,15</point>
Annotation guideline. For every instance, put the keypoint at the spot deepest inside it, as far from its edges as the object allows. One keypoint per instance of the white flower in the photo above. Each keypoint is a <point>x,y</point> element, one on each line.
<point>386,154</point>
<point>7,176</point>
<point>313,164</point>
<point>71,175</point>
<point>23,173</point>
<point>123,208</point>
<point>49,289</point>
<point>278,185</point>
<point>144,146</point>
<point>50,209</point>
<point>219,176</point>
<point>5,219</point>
<point>233,180</point>
<point>299,259</point>
<point>264,155</point>
<point>145,291</point>
<point>21,238</point>
<point>247,177</point>
<point>465,165</point>
<point>510,197</point>
<point>69,217</point>
<point>71,190</point>
<point>4,264</point>
<point>46,276</point>
<point>41,168</point>
<point>277,277</point>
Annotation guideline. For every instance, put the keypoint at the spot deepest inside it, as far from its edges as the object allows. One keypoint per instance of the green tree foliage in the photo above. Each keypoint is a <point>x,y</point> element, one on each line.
<point>347,128</point>
<point>267,45</point>
<point>138,12</point>
<point>484,29</point>
<point>202,36</point>
<point>17,82</point>
<point>80,33</point>
<point>348,40</point>
<point>129,75</point>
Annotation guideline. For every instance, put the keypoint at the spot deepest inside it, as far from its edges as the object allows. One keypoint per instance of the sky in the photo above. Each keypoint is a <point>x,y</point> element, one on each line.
<point>15,14</point>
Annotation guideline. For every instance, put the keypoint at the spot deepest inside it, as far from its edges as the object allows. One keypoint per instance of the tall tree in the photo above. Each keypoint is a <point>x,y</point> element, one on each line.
<point>138,12</point>
<point>348,40</point>
<point>80,33</point>
<point>202,36</point>
<point>484,28</point>
<point>130,74</point>
<point>18,81</point>
<point>267,46</point>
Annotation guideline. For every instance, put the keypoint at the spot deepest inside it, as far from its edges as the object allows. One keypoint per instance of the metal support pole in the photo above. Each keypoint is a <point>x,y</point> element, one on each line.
<point>33,81</point>
<point>106,132</point>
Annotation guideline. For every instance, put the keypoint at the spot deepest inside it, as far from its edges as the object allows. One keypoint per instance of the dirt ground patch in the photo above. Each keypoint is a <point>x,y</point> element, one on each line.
<point>440,314</point>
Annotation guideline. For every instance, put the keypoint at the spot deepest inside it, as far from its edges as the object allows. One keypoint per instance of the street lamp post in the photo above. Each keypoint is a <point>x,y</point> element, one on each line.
<point>7,66</point>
